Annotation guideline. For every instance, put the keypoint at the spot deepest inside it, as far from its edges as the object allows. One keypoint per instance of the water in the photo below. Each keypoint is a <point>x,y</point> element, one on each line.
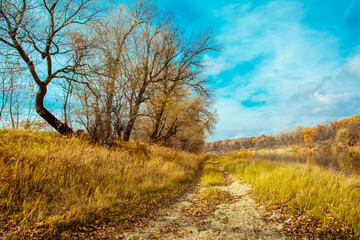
<point>345,162</point>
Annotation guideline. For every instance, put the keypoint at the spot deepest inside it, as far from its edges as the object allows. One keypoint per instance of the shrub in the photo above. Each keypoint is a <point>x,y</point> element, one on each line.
<point>343,137</point>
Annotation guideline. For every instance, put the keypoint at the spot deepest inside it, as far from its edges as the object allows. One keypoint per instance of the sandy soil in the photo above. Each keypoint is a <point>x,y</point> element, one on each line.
<point>242,218</point>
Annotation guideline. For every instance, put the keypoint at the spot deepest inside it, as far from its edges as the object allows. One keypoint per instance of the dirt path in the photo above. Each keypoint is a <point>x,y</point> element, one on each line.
<point>240,218</point>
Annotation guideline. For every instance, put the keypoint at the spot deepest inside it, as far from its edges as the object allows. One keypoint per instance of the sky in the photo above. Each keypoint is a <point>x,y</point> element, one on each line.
<point>282,64</point>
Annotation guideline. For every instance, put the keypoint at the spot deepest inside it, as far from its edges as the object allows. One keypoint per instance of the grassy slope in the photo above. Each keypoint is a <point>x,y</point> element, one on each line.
<point>324,195</point>
<point>56,182</point>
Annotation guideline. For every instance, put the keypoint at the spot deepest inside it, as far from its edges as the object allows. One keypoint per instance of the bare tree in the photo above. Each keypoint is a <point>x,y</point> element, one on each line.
<point>180,80</point>
<point>103,101</point>
<point>65,99</point>
<point>14,99</point>
<point>15,92</point>
<point>162,54</point>
<point>5,87</point>
<point>140,56</point>
<point>184,118</point>
<point>38,33</point>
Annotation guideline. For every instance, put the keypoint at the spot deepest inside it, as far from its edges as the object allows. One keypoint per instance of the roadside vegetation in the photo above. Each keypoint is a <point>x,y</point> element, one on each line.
<point>54,183</point>
<point>328,197</point>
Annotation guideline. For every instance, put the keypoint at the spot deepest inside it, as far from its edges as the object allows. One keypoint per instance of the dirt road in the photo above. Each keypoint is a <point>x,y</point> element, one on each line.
<point>241,218</point>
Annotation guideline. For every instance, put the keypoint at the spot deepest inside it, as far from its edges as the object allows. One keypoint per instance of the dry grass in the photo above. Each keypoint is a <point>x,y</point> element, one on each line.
<point>211,175</point>
<point>329,197</point>
<point>51,181</point>
<point>242,154</point>
<point>214,194</point>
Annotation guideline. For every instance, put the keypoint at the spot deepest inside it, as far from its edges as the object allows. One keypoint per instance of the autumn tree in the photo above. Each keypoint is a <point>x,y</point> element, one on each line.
<point>38,33</point>
<point>173,105</point>
<point>141,66</point>
<point>184,123</point>
<point>343,137</point>
<point>354,130</point>
<point>103,97</point>
<point>309,135</point>
<point>162,56</point>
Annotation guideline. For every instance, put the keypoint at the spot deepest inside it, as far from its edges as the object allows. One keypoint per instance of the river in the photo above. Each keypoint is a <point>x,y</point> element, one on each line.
<point>345,162</point>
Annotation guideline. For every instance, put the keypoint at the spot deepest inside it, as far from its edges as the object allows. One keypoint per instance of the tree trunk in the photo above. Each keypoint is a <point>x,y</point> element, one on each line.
<point>109,107</point>
<point>62,128</point>
<point>134,112</point>
<point>155,136</point>
<point>129,129</point>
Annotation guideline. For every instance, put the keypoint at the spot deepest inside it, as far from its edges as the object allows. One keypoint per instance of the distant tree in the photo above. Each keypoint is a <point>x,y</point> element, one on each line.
<point>321,132</point>
<point>298,135</point>
<point>15,96</point>
<point>252,141</point>
<point>5,84</point>
<point>309,135</point>
<point>354,130</point>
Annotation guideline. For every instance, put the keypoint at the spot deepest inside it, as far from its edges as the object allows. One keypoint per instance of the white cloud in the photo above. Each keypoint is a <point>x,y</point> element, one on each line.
<point>353,66</point>
<point>216,65</point>
<point>324,99</point>
<point>291,76</point>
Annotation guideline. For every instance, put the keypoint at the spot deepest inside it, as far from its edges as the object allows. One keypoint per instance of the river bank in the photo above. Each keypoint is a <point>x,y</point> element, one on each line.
<point>330,199</point>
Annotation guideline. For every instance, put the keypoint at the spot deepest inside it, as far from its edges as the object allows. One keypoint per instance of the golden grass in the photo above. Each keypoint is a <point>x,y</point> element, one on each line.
<point>213,194</point>
<point>51,181</point>
<point>242,154</point>
<point>211,175</point>
<point>329,197</point>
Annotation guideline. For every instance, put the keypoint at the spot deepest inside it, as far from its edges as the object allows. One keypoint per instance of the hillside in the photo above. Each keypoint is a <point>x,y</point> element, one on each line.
<point>50,183</point>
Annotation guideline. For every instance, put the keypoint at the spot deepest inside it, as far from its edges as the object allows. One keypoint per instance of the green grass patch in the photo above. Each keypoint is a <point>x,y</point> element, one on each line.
<point>326,196</point>
<point>55,182</point>
<point>211,175</point>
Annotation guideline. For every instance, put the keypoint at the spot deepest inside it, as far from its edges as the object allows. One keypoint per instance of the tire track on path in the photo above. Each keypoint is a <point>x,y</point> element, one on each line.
<point>240,218</point>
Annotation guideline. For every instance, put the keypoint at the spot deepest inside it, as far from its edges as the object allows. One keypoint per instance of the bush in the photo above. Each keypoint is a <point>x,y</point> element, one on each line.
<point>343,137</point>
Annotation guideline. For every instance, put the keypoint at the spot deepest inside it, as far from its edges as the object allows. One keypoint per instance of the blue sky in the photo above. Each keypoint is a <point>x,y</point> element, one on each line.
<point>283,64</point>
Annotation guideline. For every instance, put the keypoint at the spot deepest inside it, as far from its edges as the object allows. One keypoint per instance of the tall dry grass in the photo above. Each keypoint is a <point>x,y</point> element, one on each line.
<point>55,182</point>
<point>329,197</point>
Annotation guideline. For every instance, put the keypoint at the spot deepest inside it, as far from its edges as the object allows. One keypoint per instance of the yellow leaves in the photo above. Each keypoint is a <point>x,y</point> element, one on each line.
<point>242,154</point>
<point>253,141</point>
<point>309,134</point>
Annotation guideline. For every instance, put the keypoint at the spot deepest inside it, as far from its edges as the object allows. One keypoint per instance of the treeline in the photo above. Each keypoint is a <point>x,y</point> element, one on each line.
<point>118,71</point>
<point>342,133</point>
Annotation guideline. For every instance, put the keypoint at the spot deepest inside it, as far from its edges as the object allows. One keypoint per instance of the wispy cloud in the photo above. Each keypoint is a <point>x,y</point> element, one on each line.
<point>353,66</point>
<point>301,77</point>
